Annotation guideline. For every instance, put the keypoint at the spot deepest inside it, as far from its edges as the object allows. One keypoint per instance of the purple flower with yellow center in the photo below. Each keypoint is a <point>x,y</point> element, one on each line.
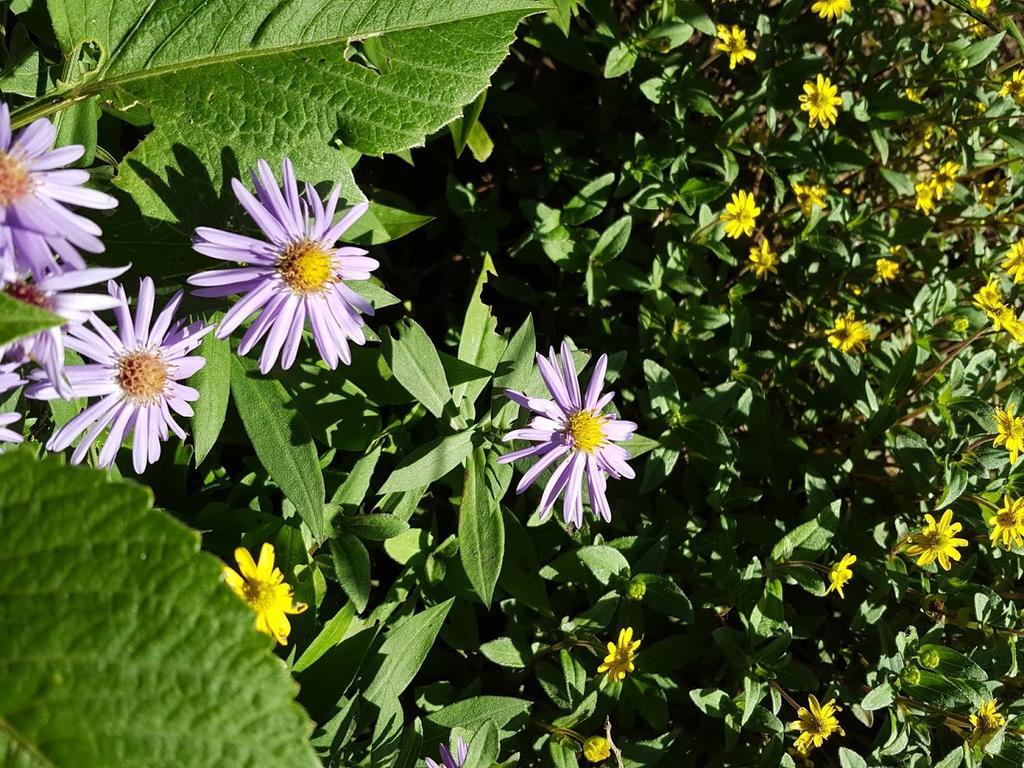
<point>136,373</point>
<point>448,760</point>
<point>9,379</point>
<point>55,292</point>
<point>572,426</point>
<point>36,226</point>
<point>293,275</point>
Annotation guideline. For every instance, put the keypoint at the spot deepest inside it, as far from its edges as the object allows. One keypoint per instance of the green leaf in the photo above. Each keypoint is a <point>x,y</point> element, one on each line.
<point>481,530</point>
<point>879,697</point>
<point>213,381</point>
<point>352,492</point>
<point>115,625</point>
<point>382,224</point>
<point>282,441</point>
<point>589,201</point>
<point>808,540</point>
<point>19,319</point>
<point>430,462</point>
<point>484,746</point>
<point>474,712</point>
<point>417,367</point>
<point>404,651</point>
<point>333,633</point>
<point>514,371</point>
<point>352,567</point>
<point>479,343</point>
<point>612,242</point>
<point>229,83</point>
<point>504,652</point>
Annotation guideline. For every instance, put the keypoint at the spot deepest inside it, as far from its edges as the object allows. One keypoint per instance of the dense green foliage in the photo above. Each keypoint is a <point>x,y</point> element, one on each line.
<point>807,390</point>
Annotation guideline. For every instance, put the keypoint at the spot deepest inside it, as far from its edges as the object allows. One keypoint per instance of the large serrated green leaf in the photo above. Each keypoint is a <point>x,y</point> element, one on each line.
<point>120,640</point>
<point>227,83</point>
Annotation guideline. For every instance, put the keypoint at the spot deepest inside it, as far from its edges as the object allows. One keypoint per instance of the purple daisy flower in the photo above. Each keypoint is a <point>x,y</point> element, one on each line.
<point>137,375</point>
<point>36,227</point>
<point>448,760</point>
<point>9,379</point>
<point>571,426</point>
<point>54,293</point>
<point>295,274</point>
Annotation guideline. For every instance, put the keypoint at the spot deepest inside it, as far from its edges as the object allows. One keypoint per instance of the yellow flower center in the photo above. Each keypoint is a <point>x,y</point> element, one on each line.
<point>736,44</point>
<point>15,182</point>
<point>306,268</point>
<point>142,375</point>
<point>583,431</point>
<point>260,595</point>
<point>819,99</point>
<point>816,726</point>
<point>1006,519</point>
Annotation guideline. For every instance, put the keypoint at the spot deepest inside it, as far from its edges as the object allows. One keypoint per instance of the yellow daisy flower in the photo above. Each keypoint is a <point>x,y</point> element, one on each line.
<point>816,722</point>
<point>987,722</point>
<point>619,661</point>
<point>809,196</point>
<point>944,179</point>
<point>988,298</point>
<point>887,270</point>
<point>820,102</point>
<point>1014,263</point>
<point>262,586</point>
<point>734,42</point>
<point>1005,319</point>
<point>831,9</point>
<point>937,541</point>
<point>763,260</point>
<point>1014,87</point>
<point>1009,431</point>
<point>849,334</point>
<point>596,749</point>
<point>925,197</point>
<point>916,95</point>
<point>1008,523</point>
<point>740,215</point>
<point>840,574</point>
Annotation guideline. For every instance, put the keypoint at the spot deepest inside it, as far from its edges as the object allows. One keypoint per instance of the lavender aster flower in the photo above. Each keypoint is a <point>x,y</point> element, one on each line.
<point>54,293</point>
<point>137,375</point>
<point>9,379</point>
<point>571,426</point>
<point>293,275</point>
<point>448,760</point>
<point>36,227</point>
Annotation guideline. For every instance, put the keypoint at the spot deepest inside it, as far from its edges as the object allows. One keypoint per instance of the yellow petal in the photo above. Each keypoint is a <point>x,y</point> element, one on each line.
<point>246,565</point>
<point>265,569</point>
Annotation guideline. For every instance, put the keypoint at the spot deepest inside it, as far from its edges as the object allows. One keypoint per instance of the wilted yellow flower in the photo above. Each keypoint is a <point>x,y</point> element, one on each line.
<point>887,270</point>
<point>734,42</point>
<point>596,749</point>
<point>763,260</point>
<point>816,722</point>
<point>840,574</point>
<point>937,541</point>
<point>809,196</point>
<point>740,215</point>
<point>849,334</point>
<point>1014,87</point>
<point>1009,431</point>
<point>820,102</point>
<point>1014,262</point>
<point>1008,523</point>
<point>990,191</point>
<point>831,9</point>
<point>262,586</point>
<point>987,722</point>
<point>619,661</point>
